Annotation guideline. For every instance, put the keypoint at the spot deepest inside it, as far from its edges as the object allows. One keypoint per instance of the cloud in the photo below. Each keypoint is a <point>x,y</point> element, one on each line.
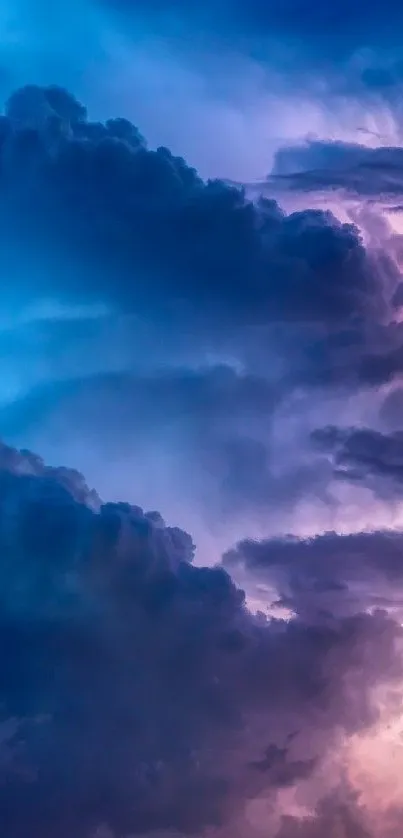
<point>147,220</point>
<point>329,33</point>
<point>385,365</point>
<point>352,168</point>
<point>140,692</point>
<point>173,279</point>
<point>191,341</point>
<point>326,575</point>
<point>195,76</point>
<point>337,814</point>
<point>327,72</point>
<point>212,426</point>
<point>366,456</point>
<point>199,268</point>
<point>391,409</point>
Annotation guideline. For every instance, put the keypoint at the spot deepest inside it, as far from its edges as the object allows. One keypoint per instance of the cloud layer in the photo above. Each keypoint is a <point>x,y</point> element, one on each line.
<point>232,356</point>
<point>191,318</point>
<point>139,693</point>
<point>240,362</point>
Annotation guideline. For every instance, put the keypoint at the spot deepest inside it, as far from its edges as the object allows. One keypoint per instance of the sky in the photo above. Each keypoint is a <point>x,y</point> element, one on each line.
<point>201,402</point>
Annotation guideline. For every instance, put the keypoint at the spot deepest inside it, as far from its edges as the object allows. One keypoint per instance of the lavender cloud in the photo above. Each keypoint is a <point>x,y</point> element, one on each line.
<point>326,574</point>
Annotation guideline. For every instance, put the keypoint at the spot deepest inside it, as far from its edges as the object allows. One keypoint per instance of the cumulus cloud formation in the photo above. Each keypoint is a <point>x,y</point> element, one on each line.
<point>106,206</point>
<point>194,320</point>
<point>198,319</point>
<point>138,692</point>
<point>233,359</point>
<point>146,218</point>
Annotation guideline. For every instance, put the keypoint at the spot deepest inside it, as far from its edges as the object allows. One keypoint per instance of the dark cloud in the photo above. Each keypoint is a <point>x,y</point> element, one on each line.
<point>188,271</point>
<point>360,170</point>
<point>364,181</point>
<point>365,456</point>
<point>361,357</point>
<point>137,691</point>
<point>140,227</point>
<point>380,368</point>
<point>196,268</point>
<point>373,173</point>
<point>326,156</point>
<point>328,574</point>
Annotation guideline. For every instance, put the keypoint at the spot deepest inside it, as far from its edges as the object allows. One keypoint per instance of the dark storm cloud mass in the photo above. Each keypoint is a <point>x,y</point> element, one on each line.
<point>208,333</point>
<point>142,223</point>
<point>363,182</point>
<point>137,690</point>
<point>104,219</point>
<point>196,269</point>
<point>219,314</point>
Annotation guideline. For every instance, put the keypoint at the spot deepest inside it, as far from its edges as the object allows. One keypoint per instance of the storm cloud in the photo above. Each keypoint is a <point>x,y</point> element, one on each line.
<point>93,194</point>
<point>230,355</point>
<point>328,574</point>
<point>201,317</point>
<point>138,692</point>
